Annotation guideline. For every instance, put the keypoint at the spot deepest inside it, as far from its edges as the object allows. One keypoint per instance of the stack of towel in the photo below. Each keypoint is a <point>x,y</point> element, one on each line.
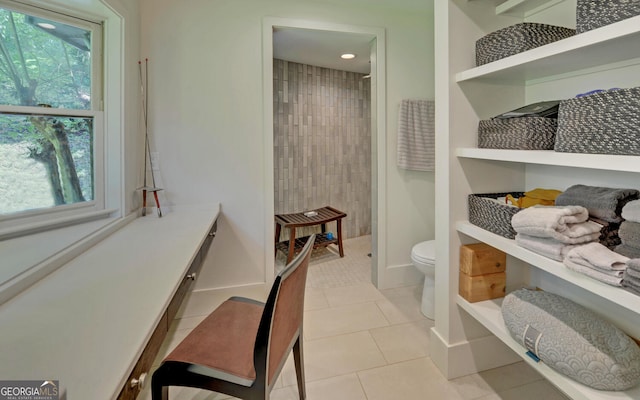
<point>604,206</point>
<point>597,262</point>
<point>630,230</point>
<point>554,231</point>
<point>631,277</point>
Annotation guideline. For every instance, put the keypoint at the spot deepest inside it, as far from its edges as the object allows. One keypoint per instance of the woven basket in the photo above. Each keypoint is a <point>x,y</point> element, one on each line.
<point>492,216</point>
<point>592,14</point>
<point>528,133</point>
<point>602,123</point>
<point>516,39</point>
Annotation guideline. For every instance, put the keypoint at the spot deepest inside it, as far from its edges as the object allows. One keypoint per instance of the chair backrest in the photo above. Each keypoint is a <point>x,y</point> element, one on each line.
<point>281,322</point>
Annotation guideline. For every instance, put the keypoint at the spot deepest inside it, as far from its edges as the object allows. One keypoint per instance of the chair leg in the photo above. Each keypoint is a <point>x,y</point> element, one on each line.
<point>158,391</point>
<point>299,362</point>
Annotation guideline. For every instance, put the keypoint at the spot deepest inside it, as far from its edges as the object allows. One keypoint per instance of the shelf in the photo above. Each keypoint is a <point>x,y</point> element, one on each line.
<point>488,313</point>
<point>614,294</point>
<point>522,8</point>
<point>549,157</point>
<point>609,44</point>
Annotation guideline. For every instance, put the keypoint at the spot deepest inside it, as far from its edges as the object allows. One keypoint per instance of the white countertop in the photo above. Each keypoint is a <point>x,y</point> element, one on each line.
<point>86,324</point>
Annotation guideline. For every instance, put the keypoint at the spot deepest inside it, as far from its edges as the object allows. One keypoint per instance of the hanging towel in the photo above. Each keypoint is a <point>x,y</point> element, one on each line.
<point>631,211</point>
<point>416,135</point>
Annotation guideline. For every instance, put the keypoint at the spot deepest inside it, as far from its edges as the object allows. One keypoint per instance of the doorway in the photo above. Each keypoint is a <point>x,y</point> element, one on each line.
<point>375,41</point>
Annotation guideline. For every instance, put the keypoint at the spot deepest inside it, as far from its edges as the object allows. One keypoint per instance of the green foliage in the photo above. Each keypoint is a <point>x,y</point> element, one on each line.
<point>61,72</point>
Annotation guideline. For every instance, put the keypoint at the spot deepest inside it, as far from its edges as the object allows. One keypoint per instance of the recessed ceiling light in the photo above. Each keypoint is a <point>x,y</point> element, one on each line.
<point>46,25</point>
<point>348,56</point>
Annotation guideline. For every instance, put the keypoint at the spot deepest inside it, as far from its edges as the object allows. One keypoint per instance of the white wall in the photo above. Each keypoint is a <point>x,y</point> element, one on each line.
<point>205,60</point>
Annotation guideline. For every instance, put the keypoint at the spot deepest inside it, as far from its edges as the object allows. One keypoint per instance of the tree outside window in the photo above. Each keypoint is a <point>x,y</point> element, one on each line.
<point>46,124</point>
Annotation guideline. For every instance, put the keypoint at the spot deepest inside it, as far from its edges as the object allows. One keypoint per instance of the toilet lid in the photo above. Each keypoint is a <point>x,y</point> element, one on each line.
<point>424,252</point>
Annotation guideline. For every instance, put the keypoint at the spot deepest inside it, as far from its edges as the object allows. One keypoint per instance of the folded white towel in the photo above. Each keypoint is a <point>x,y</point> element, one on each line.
<point>547,247</point>
<point>631,211</point>
<point>595,255</point>
<point>567,224</point>
<point>592,273</point>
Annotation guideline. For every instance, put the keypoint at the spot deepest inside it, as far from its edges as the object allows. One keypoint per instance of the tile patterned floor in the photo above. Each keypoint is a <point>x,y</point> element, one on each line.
<point>362,343</point>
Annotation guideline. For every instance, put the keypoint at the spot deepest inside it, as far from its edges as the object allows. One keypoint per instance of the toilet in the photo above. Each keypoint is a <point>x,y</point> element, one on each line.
<point>423,256</point>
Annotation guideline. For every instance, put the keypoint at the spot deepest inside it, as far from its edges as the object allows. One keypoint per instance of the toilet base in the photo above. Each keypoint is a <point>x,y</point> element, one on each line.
<point>428,297</point>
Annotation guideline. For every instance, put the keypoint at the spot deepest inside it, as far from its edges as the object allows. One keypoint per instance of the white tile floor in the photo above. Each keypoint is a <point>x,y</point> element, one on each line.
<point>362,343</point>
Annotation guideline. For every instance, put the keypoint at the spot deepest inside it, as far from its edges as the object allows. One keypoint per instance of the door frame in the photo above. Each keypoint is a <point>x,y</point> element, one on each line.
<point>378,137</point>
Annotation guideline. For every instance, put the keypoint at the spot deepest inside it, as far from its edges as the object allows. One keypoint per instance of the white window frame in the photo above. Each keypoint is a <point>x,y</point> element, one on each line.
<point>43,247</point>
<point>30,221</point>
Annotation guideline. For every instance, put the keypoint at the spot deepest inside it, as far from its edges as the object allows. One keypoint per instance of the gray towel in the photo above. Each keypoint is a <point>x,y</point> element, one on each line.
<point>568,224</point>
<point>592,273</point>
<point>629,233</point>
<point>604,203</point>
<point>634,263</point>
<point>416,135</point>
<point>630,283</point>
<point>633,274</point>
<point>547,247</point>
<point>631,211</point>
<point>626,250</point>
<point>595,255</point>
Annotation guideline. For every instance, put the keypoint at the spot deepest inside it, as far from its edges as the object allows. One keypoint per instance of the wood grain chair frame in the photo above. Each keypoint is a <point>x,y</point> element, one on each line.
<point>241,347</point>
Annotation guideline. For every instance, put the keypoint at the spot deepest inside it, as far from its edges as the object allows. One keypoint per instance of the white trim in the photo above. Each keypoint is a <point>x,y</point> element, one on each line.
<point>378,157</point>
<point>112,179</point>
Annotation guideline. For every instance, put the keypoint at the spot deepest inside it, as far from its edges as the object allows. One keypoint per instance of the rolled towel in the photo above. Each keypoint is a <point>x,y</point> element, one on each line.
<point>631,211</point>
<point>595,255</point>
<point>603,203</point>
<point>568,224</point>
<point>630,233</point>
<point>547,247</point>
<point>626,250</point>
<point>592,273</point>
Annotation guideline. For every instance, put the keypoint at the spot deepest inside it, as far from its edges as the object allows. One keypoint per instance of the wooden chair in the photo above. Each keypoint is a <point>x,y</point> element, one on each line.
<point>241,347</point>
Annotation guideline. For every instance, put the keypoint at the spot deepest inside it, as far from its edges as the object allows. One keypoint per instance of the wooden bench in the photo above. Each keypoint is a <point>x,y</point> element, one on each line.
<point>321,217</point>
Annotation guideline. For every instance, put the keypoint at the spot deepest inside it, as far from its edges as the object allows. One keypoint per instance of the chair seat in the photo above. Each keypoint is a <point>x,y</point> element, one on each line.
<point>222,345</point>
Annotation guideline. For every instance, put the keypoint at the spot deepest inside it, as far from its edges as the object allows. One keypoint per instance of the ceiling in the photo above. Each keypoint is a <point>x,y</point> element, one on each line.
<point>323,48</point>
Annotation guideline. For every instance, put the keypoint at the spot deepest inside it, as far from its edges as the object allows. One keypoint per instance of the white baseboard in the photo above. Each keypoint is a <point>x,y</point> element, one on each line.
<point>400,275</point>
<point>470,357</point>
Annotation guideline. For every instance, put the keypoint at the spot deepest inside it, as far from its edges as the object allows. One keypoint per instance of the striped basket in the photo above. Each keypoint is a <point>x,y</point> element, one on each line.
<point>492,216</point>
<point>516,39</point>
<point>607,122</point>
<point>592,14</point>
<point>527,133</point>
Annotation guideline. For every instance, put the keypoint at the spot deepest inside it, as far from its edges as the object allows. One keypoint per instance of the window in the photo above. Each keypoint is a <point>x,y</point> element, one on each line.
<point>51,119</point>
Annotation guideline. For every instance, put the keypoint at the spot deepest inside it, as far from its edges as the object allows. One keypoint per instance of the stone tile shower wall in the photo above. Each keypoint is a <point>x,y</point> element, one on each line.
<point>322,143</point>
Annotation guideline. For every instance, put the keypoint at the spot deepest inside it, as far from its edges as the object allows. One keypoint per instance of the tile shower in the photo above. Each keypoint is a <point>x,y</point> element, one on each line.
<point>322,143</point>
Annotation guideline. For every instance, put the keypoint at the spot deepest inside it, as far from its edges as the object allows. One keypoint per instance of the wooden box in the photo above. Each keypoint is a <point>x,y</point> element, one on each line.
<point>480,259</point>
<point>482,287</point>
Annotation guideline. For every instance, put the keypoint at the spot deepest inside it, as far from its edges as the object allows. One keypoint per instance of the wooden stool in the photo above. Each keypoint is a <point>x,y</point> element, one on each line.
<point>320,217</point>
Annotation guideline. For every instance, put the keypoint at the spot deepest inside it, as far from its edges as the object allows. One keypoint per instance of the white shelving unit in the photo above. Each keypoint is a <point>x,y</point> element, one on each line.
<point>464,95</point>
<point>614,294</point>
<point>523,8</point>
<point>549,157</point>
